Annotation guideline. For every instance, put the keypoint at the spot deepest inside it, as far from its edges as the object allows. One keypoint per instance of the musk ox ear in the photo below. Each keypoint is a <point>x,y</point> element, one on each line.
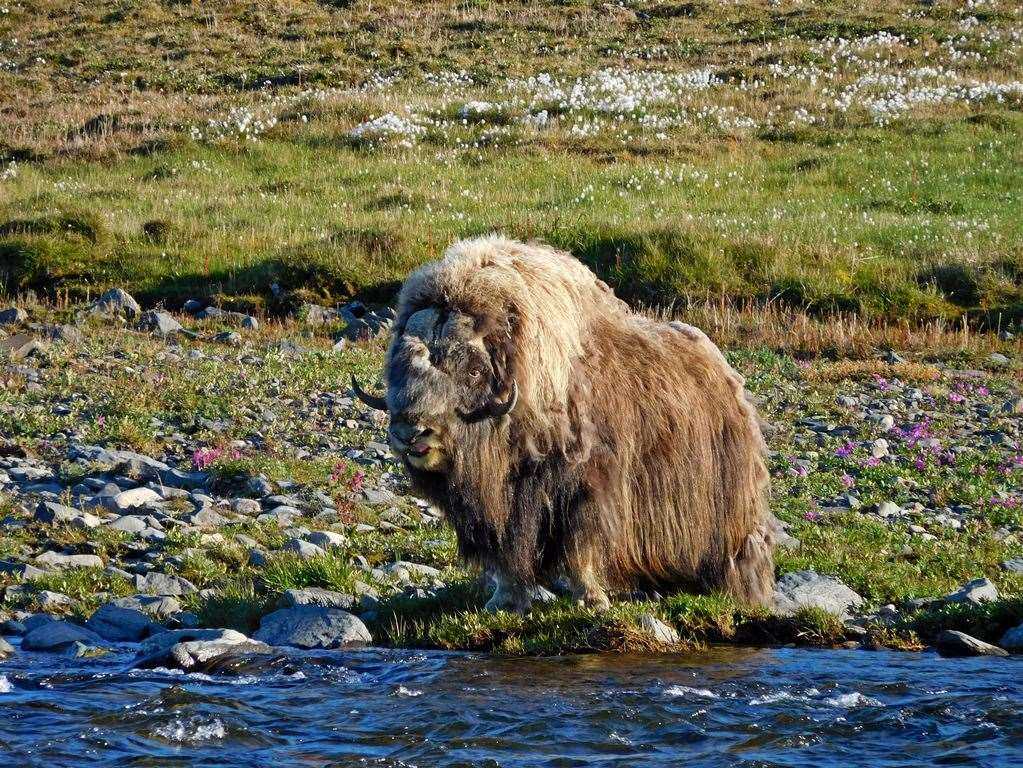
<point>495,408</point>
<point>373,401</point>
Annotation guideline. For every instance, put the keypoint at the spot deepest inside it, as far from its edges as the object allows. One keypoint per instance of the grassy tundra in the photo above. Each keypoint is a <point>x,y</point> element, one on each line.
<point>863,156</point>
<point>810,185</point>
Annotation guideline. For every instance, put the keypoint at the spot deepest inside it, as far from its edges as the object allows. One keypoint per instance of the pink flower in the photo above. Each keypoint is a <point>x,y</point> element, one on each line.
<point>101,420</point>
<point>845,450</point>
<point>812,516</point>
<point>847,480</point>
<point>357,481</point>
<point>203,458</point>
<point>955,397</point>
<point>920,462</point>
<point>873,461</point>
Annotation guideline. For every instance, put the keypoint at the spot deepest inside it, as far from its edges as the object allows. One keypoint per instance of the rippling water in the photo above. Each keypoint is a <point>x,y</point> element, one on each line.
<point>399,708</point>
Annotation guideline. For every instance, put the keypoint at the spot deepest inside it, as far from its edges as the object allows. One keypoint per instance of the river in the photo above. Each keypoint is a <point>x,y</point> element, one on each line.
<point>374,707</point>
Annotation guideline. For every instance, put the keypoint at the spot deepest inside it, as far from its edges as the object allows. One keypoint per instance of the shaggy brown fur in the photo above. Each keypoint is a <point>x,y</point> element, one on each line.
<point>630,459</point>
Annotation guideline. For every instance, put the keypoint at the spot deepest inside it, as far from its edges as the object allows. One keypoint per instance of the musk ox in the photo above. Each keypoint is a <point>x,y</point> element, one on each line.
<point>565,435</point>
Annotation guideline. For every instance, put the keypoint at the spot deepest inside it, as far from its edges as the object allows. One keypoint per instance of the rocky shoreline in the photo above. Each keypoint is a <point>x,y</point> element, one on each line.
<point>204,485</point>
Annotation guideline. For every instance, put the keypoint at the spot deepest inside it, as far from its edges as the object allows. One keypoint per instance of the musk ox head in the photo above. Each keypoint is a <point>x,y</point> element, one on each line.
<point>444,373</point>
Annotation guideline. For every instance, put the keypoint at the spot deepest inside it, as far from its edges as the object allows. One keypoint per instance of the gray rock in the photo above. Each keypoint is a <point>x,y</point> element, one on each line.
<point>404,571</point>
<point>119,624</point>
<point>163,584</point>
<point>1012,640</point>
<point>230,338</point>
<point>889,509</point>
<point>21,346</point>
<point>187,648</point>
<point>129,524</point>
<point>974,592</point>
<point>57,560</point>
<point>326,539</point>
<point>283,515</point>
<point>208,519</point>
<point>316,596</point>
<point>6,649</point>
<point>22,570</point>
<point>658,630</point>
<point>1015,565</point>
<point>13,316</point>
<point>58,514</point>
<point>380,496</point>
<point>802,589</point>
<point>244,506</point>
<point>56,636</point>
<point>952,643</point>
<point>312,626</point>
<point>53,601</point>
<point>160,323</point>
<point>117,302</point>
<point>303,549</point>
<point>136,498</point>
<point>997,358</point>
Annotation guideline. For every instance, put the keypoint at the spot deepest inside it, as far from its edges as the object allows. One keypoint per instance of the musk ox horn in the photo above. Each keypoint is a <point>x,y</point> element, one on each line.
<point>495,409</point>
<point>373,401</point>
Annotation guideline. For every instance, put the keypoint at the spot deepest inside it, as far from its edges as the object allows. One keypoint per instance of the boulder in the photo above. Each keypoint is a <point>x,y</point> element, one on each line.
<point>159,323</point>
<point>312,626</point>
<point>117,301</point>
<point>118,623</point>
<point>809,589</point>
<point>6,649</point>
<point>163,584</point>
<point>303,549</point>
<point>13,316</point>
<point>1013,640</point>
<point>21,346</point>
<point>953,643</point>
<point>326,539</point>
<point>55,636</point>
<point>974,592</point>
<point>187,648</point>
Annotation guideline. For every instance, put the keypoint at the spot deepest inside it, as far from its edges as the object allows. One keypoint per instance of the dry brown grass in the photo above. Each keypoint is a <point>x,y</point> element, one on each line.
<point>847,336</point>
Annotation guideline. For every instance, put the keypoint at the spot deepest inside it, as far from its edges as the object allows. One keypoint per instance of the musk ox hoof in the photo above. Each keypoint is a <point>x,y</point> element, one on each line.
<point>597,601</point>
<point>512,601</point>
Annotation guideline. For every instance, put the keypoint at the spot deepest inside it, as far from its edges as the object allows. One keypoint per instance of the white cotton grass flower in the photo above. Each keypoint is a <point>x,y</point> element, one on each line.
<point>388,128</point>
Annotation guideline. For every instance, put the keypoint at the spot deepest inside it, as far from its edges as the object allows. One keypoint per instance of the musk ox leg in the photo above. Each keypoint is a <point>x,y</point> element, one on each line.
<point>508,594</point>
<point>586,586</point>
<point>750,574</point>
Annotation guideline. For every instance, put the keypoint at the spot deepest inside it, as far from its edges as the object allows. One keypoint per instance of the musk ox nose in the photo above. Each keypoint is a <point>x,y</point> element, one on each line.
<point>410,433</point>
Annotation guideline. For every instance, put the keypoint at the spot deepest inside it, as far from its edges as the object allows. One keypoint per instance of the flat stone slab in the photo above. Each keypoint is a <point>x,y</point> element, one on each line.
<point>57,560</point>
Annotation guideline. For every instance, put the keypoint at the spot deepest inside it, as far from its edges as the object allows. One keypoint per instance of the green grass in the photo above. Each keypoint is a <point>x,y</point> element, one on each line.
<point>119,179</point>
